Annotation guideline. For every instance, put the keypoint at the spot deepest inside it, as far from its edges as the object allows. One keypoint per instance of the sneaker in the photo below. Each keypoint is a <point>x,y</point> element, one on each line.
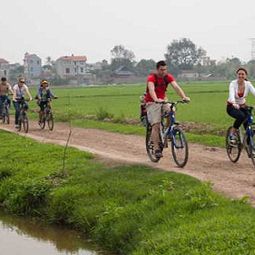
<point>232,139</point>
<point>16,126</point>
<point>158,154</point>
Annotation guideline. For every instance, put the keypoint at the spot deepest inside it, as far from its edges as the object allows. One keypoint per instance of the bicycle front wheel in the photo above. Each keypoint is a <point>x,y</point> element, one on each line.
<point>179,147</point>
<point>251,147</point>
<point>149,145</point>
<point>50,122</point>
<point>7,118</point>
<point>42,123</point>
<point>25,124</point>
<point>233,150</point>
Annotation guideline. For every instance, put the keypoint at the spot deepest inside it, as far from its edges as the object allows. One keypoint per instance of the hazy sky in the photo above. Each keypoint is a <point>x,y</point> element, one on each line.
<point>93,27</point>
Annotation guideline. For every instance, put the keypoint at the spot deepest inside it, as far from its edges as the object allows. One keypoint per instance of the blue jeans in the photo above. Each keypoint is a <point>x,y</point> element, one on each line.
<point>2,100</point>
<point>17,106</point>
<point>240,116</point>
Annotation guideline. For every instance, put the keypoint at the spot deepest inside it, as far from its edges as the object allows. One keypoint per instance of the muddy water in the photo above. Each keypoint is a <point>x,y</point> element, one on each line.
<point>19,236</point>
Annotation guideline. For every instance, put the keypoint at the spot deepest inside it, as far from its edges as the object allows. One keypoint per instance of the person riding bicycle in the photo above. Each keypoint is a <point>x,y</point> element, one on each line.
<point>156,93</point>
<point>236,103</point>
<point>44,96</point>
<point>19,91</point>
<point>5,90</point>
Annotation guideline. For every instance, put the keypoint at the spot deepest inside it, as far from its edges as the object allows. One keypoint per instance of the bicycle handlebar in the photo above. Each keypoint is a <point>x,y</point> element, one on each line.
<point>174,103</point>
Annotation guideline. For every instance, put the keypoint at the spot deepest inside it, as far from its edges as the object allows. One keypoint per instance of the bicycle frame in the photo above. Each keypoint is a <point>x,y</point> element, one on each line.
<point>248,132</point>
<point>169,132</point>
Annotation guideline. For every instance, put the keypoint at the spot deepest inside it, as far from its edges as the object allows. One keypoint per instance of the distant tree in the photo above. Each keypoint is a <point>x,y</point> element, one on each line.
<point>251,69</point>
<point>119,52</point>
<point>122,57</point>
<point>145,66</point>
<point>16,73</point>
<point>183,55</point>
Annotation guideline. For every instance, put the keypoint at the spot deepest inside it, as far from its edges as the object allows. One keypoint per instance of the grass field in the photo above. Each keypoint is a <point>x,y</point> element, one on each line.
<point>126,209</point>
<point>88,106</point>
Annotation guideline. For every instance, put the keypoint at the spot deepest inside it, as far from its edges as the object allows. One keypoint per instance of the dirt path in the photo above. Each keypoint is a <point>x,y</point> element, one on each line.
<point>205,163</point>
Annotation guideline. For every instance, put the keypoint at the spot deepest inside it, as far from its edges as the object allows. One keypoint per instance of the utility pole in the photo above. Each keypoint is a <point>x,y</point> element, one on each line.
<point>252,48</point>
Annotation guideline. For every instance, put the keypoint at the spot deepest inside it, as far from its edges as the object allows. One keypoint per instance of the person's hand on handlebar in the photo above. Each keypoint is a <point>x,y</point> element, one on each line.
<point>186,99</point>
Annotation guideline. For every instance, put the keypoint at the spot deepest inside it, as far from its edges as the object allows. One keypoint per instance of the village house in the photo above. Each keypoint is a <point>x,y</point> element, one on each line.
<point>4,67</point>
<point>32,66</point>
<point>71,66</point>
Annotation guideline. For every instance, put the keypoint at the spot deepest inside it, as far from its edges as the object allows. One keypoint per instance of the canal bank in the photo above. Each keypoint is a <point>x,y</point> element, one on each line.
<point>127,209</point>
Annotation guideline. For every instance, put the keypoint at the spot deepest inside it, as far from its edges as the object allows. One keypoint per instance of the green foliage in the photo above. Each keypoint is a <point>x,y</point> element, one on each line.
<point>103,114</point>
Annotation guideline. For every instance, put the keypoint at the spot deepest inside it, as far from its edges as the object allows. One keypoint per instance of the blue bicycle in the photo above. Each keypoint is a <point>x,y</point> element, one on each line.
<point>244,139</point>
<point>170,131</point>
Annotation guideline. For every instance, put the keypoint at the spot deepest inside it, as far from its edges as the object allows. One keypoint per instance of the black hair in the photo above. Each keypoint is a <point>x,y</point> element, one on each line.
<point>160,63</point>
<point>3,79</point>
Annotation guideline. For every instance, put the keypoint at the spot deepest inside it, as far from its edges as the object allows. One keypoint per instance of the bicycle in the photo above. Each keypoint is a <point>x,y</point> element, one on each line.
<point>47,116</point>
<point>5,112</point>
<point>245,139</point>
<point>23,119</point>
<point>173,134</point>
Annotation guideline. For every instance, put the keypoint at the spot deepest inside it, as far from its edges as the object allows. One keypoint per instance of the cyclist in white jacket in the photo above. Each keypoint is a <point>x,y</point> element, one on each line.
<point>236,104</point>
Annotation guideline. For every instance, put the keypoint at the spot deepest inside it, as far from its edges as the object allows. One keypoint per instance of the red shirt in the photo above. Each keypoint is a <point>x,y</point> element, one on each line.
<point>161,87</point>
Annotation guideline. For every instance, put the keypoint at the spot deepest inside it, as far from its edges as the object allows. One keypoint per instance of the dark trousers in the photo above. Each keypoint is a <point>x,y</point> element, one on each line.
<point>17,106</point>
<point>239,114</point>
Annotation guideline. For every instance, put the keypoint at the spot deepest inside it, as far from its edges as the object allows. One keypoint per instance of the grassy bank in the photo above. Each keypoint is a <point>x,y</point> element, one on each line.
<point>127,209</point>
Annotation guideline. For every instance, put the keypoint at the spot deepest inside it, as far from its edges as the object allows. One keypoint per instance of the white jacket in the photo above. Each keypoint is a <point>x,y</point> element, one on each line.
<point>233,92</point>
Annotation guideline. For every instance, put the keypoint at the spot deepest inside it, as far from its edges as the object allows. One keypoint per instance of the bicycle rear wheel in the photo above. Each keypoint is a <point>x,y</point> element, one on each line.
<point>50,121</point>
<point>233,150</point>
<point>179,147</point>
<point>149,145</point>
<point>25,124</point>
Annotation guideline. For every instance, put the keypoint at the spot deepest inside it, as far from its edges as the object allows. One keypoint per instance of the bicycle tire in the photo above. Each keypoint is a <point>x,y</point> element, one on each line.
<point>42,123</point>
<point>50,121</point>
<point>149,145</point>
<point>19,124</point>
<point>4,116</point>
<point>3,119</point>
<point>179,146</point>
<point>251,148</point>
<point>7,118</point>
<point>25,124</point>
<point>233,151</point>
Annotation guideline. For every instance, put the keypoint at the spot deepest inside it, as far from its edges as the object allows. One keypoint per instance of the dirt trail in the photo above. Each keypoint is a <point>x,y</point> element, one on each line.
<point>205,163</point>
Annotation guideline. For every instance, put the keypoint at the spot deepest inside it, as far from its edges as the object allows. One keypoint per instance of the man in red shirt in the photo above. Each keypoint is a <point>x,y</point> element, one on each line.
<point>156,92</point>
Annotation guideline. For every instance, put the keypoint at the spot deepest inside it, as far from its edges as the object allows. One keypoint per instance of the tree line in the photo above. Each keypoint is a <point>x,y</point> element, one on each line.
<point>181,56</point>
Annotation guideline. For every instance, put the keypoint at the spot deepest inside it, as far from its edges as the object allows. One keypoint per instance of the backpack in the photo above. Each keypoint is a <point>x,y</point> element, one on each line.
<point>143,112</point>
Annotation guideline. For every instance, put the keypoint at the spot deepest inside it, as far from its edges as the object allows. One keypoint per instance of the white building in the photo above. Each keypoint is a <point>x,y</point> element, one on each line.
<point>71,66</point>
<point>32,66</point>
<point>4,67</point>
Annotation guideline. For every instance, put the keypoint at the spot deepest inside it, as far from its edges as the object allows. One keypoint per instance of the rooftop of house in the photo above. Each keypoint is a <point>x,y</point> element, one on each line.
<point>3,61</point>
<point>73,58</point>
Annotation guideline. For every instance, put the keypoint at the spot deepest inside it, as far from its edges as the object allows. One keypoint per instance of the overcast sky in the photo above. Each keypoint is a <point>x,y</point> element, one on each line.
<point>93,27</point>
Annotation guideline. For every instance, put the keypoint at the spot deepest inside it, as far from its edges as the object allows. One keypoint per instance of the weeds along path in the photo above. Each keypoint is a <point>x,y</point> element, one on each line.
<point>205,163</point>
